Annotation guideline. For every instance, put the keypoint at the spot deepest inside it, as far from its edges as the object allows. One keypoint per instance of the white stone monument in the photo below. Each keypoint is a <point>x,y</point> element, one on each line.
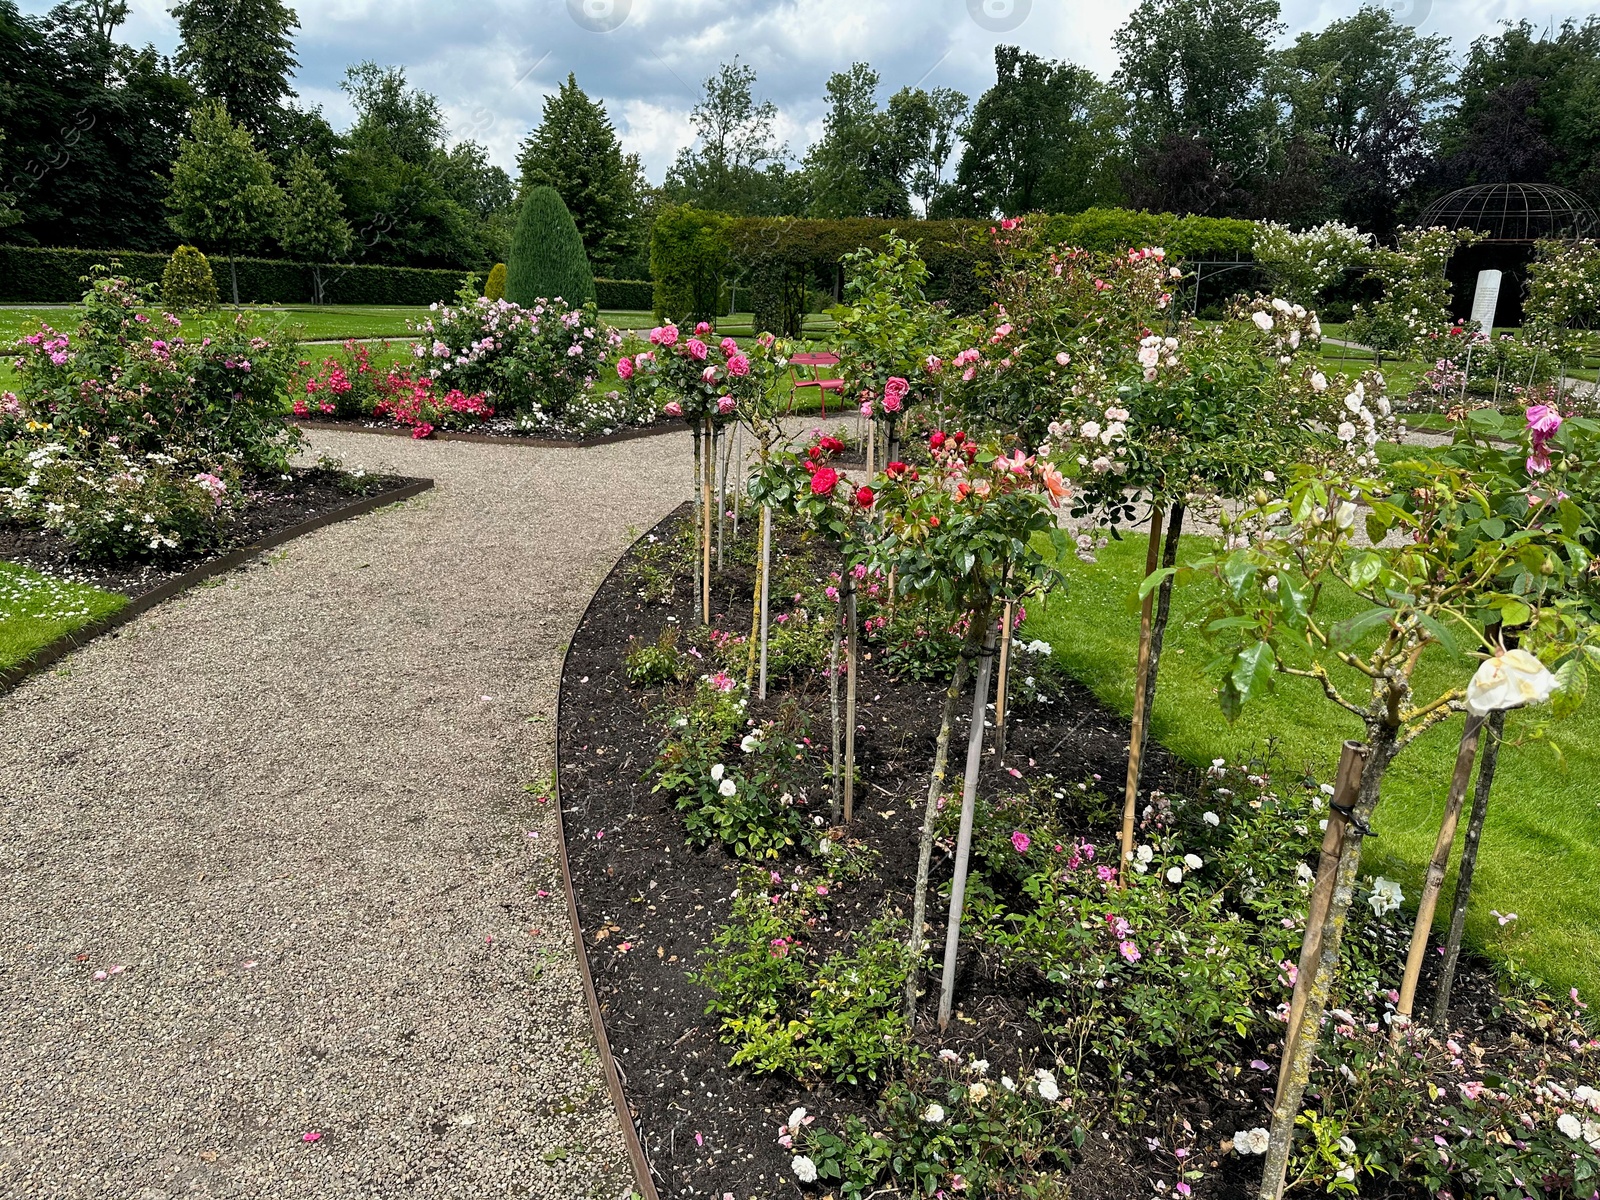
<point>1486,299</point>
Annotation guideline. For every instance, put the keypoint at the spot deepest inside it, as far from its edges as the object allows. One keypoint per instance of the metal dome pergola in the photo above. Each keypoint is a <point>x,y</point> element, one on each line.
<point>1515,213</point>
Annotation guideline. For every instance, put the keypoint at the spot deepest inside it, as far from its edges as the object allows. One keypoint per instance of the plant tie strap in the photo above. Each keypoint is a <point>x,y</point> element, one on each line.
<point>1348,812</point>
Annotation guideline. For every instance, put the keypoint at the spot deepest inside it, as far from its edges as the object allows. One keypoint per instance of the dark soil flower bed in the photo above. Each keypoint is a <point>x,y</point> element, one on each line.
<point>274,505</point>
<point>650,905</point>
<point>496,431</point>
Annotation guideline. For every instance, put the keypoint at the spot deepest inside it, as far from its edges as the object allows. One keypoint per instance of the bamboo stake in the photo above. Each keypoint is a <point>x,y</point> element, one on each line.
<point>722,491</point>
<point>757,607</point>
<point>1437,866</point>
<point>969,798</point>
<point>1158,635</point>
<point>1141,678</point>
<point>930,815</point>
<point>833,698</point>
<point>1468,865</point>
<point>766,590</point>
<point>872,439</point>
<point>705,527</point>
<point>698,511</point>
<point>852,653</point>
<point>1002,683</point>
<point>1347,783</point>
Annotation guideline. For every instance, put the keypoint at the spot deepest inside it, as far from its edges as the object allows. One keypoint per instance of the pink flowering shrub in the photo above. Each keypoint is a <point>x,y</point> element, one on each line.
<point>416,403</point>
<point>536,367</point>
<point>348,385</point>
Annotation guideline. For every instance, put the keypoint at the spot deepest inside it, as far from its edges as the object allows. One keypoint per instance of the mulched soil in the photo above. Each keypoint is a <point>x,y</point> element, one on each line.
<point>274,505</point>
<point>709,1128</point>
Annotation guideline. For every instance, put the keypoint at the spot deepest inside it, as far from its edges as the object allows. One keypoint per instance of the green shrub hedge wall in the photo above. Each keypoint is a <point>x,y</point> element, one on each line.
<point>45,275</point>
<point>637,295</point>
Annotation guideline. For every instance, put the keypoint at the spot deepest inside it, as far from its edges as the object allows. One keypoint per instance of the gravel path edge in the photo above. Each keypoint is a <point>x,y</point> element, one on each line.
<point>53,652</point>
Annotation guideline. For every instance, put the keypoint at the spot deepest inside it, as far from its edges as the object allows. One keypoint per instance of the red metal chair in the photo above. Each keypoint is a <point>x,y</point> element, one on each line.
<point>816,362</point>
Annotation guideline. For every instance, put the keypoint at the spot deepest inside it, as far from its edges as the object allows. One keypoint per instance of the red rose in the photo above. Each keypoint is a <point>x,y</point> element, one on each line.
<point>831,444</point>
<point>811,467</point>
<point>895,469</point>
<point>936,438</point>
<point>958,437</point>
<point>823,481</point>
<point>933,522</point>
<point>865,497</point>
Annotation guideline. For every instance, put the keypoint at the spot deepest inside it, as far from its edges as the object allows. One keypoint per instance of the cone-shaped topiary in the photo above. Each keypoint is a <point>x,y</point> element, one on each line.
<point>547,258</point>
<point>187,283</point>
<point>494,288</point>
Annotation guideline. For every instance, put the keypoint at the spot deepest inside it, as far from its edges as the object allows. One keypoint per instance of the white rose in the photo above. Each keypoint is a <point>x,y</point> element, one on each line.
<point>1089,430</point>
<point>716,773</point>
<point>934,1114</point>
<point>1144,854</point>
<point>804,1169</point>
<point>1193,861</point>
<point>795,1118</point>
<point>1319,381</point>
<point>1346,1172</point>
<point>1263,321</point>
<point>1510,680</point>
<point>751,743</point>
<point>1386,896</point>
<point>1570,1125</point>
<point>977,1091</point>
<point>1174,874</point>
<point>728,787</point>
<point>1211,818</point>
<point>1048,1090</point>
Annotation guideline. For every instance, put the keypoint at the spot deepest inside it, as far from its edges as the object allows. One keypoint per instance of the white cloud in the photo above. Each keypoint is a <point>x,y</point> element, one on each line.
<point>491,62</point>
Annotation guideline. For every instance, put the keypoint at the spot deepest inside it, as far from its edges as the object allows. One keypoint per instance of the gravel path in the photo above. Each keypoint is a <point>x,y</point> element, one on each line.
<point>293,818</point>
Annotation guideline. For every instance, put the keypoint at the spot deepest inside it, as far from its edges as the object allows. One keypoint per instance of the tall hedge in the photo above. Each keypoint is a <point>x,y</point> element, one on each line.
<point>688,255</point>
<point>777,261</point>
<point>49,275</point>
<point>633,295</point>
<point>547,258</point>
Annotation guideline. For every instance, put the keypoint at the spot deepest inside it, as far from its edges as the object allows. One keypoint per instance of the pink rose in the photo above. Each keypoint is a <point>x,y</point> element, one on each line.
<point>726,405</point>
<point>729,347</point>
<point>1543,421</point>
<point>624,368</point>
<point>697,349</point>
<point>703,327</point>
<point>709,375</point>
<point>673,409</point>
<point>895,389</point>
<point>738,365</point>
<point>669,336</point>
<point>1020,841</point>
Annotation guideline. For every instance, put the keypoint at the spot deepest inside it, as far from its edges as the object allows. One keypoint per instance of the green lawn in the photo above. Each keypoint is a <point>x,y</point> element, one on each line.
<point>1541,846</point>
<point>35,610</point>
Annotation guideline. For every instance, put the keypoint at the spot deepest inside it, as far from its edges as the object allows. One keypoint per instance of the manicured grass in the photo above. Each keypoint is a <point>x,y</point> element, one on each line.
<point>1541,846</point>
<point>35,610</point>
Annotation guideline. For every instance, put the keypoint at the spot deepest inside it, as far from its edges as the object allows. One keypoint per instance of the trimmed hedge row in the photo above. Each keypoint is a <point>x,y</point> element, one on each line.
<point>49,275</point>
<point>630,294</point>
<point>785,262</point>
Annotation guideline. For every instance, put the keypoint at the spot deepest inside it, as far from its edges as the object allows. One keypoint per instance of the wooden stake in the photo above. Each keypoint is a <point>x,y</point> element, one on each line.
<point>1347,784</point>
<point>1465,753</point>
<point>698,513</point>
<point>705,528</point>
<point>766,590</point>
<point>833,698</point>
<point>930,815</point>
<point>1131,792</point>
<point>969,799</point>
<point>1467,867</point>
<point>1002,683</point>
<point>1158,633</point>
<point>853,649</point>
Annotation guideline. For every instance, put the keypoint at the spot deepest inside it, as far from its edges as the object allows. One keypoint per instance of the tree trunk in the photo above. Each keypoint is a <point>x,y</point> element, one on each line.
<point>1434,881</point>
<point>1130,797</point>
<point>233,272</point>
<point>1158,633</point>
<point>1467,866</point>
<point>705,526</point>
<point>1346,788</point>
<point>930,815</point>
<point>969,803</point>
<point>1297,1071</point>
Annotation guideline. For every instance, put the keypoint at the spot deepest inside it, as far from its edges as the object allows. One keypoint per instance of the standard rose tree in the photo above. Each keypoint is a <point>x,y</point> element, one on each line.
<point>963,534</point>
<point>1449,568</point>
<point>694,380</point>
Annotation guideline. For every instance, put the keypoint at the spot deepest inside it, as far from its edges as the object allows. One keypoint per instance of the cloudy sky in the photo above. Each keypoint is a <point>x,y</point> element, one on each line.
<point>491,62</point>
